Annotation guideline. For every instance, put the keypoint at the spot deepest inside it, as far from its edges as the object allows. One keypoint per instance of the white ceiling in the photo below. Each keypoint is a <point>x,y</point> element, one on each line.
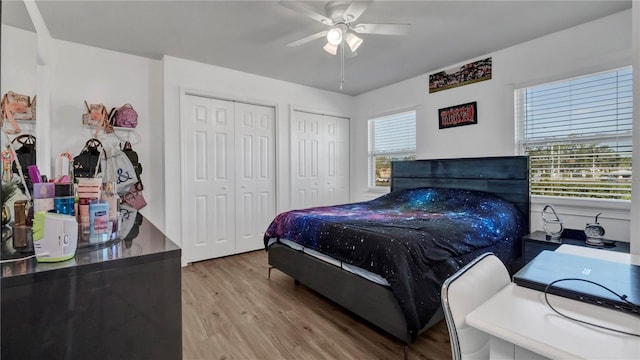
<point>251,36</point>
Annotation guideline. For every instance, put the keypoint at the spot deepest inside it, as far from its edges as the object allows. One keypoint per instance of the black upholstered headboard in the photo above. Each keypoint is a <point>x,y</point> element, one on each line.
<point>505,176</point>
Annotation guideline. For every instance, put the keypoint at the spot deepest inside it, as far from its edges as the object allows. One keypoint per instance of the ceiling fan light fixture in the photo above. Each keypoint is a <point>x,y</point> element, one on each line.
<point>334,36</point>
<point>353,41</point>
<point>331,49</point>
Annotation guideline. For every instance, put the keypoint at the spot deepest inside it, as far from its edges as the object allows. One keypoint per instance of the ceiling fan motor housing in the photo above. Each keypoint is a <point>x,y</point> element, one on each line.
<point>336,10</point>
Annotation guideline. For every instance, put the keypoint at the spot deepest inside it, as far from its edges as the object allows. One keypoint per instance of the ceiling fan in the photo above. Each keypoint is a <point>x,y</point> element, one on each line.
<point>341,17</point>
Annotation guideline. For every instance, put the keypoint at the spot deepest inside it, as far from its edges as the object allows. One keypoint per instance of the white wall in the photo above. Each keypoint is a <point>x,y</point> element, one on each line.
<point>101,76</point>
<point>180,74</point>
<point>79,72</point>
<point>598,45</point>
<point>18,65</point>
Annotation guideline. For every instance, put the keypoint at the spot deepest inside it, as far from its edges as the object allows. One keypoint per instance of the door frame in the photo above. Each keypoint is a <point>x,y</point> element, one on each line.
<point>187,91</point>
<point>293,108</point>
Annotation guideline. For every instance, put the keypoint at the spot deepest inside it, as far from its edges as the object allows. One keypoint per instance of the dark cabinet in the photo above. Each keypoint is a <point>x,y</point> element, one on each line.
<point>118,301</point>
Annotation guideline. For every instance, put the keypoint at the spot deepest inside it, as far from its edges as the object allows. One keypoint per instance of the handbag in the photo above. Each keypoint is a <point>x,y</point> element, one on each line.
<point>21,106</point>
<point>97,116</point>
<point>17,107</point>
<point>134,197</point>
<point>87,163</point>
<point>122,171</point>
<point>26,153</point>
<point>133,157</point>
<point>125,117</point>
<point>25,157</point>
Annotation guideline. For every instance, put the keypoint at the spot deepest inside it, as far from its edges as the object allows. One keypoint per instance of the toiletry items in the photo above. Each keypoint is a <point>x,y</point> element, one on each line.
<point>22,240</point>
<point>20,212</point>
<point>44,190</point>
<point>34,174</point>
<point>64,190</point>
<point>64,205</point>
<point>89,189</point>
<point>64,201</point>
<point>43,194</point>
<point>111,197</point>
<point>43,204</point>
<point>99,224</point>
<point>62,168</point>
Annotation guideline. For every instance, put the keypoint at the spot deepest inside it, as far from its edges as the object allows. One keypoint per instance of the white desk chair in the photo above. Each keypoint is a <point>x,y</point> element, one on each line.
<point>463,292</point>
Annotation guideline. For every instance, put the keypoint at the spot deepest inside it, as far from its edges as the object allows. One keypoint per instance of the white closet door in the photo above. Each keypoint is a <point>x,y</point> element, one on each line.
<point>319,160</point>
<point>209,204</point>
<point>306,182</point>
<point>255,174</point>
<point>336,178</point>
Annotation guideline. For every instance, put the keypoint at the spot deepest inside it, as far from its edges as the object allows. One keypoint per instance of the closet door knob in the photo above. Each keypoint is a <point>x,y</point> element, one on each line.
<point>224,188</point>
<point>244,186</point>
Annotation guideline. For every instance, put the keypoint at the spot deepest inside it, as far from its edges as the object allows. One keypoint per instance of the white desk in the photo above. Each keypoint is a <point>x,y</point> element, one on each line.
<point>521,316</point>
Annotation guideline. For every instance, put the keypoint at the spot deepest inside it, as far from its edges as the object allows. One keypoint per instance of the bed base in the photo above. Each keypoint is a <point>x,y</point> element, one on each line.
<point>346,289</point>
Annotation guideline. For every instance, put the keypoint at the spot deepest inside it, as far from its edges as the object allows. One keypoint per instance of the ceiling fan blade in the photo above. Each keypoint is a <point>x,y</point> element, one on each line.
<point>382,29</point>
<point>305,10</point>
<point>356,9</point>
<point>308,39</point>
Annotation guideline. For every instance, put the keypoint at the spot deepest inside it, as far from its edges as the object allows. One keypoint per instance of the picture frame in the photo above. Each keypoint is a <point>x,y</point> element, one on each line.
<point>458,115</point>
<point>470,73</point>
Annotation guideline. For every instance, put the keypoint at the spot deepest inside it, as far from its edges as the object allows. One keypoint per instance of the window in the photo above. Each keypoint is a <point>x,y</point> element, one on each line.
<point>577,133</point>
<point>391,137</point>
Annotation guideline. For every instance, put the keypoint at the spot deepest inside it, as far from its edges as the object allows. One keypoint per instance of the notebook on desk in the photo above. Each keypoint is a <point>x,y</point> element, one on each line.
<point>548,266</point>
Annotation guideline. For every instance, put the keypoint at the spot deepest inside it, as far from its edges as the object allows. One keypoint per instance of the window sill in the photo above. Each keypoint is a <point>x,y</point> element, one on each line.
<point>620,205</point>
<point>576,212</point>
<point>379,190</point>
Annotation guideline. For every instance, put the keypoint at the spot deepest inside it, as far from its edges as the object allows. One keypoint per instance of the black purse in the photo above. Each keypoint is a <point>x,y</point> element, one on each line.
<point>85,163</point>
<point>26,153</point>
<point>133,157</point>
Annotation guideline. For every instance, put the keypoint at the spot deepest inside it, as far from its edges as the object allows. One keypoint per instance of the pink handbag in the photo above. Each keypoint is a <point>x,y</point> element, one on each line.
<point>126,117</point>
<point>134,197</point>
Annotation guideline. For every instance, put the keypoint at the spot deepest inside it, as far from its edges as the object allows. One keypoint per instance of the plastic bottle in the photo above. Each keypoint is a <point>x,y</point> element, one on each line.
<point>99,230</point>
<point>110,194</point>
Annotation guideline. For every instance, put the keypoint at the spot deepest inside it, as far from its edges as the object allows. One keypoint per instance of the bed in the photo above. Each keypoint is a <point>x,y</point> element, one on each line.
<point>304,243</point>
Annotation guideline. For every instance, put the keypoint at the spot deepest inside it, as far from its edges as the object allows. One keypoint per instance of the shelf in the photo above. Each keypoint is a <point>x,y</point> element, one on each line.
<point>115,128</point>
<point>534,243</point>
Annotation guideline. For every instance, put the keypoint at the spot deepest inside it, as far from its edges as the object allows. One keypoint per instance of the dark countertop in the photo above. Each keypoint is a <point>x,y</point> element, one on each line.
<point>150,244</point>
<point>577,237</point>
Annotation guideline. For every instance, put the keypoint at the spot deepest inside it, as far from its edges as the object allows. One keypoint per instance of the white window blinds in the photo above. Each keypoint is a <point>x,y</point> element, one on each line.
<point>577,133</point>
<point>393,134</point>
<point>391,138</point>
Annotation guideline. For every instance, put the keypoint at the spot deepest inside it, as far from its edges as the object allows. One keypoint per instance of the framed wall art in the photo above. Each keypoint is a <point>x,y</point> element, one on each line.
<point>458,115</point>
<point>467,74</point>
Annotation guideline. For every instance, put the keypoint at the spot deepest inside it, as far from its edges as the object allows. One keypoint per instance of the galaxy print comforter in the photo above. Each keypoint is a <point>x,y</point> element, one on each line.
<point>414,238</point>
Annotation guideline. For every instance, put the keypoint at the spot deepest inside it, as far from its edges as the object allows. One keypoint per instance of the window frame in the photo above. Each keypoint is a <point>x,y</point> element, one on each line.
<point>371,154</point>
<point>522,144</point>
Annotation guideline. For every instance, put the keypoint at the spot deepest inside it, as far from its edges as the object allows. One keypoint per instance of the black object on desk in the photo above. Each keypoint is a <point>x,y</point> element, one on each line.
<point>536,242</point>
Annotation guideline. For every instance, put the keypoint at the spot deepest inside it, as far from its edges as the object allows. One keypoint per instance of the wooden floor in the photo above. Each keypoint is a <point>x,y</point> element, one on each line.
<point>231,310</point>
